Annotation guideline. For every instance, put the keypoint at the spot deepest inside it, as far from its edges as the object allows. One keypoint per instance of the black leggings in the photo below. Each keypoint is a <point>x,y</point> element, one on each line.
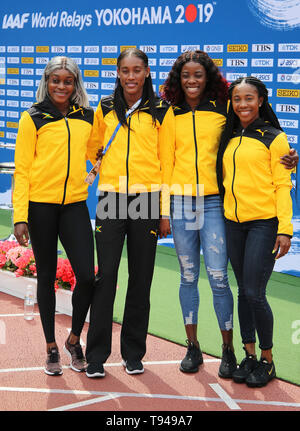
<point>71,224</point>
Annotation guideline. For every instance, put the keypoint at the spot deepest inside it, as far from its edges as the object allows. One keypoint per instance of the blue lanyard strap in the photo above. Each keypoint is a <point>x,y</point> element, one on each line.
<point>119,125</point>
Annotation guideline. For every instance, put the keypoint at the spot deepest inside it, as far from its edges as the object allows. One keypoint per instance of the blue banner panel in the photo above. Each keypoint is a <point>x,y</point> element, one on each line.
<point>252,37</point>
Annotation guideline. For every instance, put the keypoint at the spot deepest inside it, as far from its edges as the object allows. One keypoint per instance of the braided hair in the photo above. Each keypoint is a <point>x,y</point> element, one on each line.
<point>120,105</point>
<point>216,86</point>
<point>265,112</point>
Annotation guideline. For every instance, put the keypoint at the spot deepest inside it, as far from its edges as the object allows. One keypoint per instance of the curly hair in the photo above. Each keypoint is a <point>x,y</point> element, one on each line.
<point>216,86</point>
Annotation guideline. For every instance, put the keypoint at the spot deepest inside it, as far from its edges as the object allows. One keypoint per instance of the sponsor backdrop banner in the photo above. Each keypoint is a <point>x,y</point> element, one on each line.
<point>260,38</point>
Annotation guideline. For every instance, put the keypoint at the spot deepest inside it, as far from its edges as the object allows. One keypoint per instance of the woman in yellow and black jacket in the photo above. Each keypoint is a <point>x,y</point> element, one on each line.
<point>198,94</point>
<point>50,195</point>
<point>137,128</point>
<point>258,211</point>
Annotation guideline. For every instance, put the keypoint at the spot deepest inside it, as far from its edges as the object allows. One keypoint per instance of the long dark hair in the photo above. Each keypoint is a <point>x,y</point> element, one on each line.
<point>265,112</point>
<point>216,86</point>
<point>120,105</point>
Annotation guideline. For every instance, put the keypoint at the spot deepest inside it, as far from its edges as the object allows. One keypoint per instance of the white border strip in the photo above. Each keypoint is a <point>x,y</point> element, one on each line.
<point>116,364</point>
<point>140,395</point>
<point>224,396</point>
<point>85,403</point>
<point>17,315</point>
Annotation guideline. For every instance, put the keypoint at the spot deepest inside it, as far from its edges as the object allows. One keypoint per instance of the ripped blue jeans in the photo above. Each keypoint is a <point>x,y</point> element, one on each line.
<point>196,226</point>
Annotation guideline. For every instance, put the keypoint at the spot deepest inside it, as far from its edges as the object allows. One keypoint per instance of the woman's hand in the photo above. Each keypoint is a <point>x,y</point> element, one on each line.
<point>164,227</point>
<point>99,154</point>
<point>282,246</point>
<point>290,160</point>
<point>21,233</point>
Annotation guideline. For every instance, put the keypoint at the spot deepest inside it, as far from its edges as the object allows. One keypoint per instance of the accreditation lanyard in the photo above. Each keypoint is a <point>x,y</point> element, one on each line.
<point>119,125</point>
<point>94,171</point>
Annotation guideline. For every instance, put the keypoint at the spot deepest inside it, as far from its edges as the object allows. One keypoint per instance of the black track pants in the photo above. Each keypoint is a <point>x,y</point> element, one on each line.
<point>71,224</point>
<point>141,237</point>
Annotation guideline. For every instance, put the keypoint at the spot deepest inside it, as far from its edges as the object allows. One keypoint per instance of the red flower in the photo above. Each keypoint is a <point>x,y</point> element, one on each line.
<point>21,261</point>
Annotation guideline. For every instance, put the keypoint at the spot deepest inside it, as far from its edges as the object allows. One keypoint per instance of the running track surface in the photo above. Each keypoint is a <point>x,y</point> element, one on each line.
<point>162,388</point>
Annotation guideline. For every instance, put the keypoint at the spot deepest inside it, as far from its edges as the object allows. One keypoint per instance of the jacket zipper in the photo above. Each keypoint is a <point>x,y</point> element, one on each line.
<point>196,154</point>
<point>68,170</point>
<point>127,157</point>
<point>233,178</point>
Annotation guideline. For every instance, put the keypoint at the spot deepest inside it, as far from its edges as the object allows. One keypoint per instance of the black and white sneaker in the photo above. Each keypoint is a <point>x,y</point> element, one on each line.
<point>228,363</point>
<point>95,370</point>
<point>262,374</point>
<point>192,359</point>
<point>133,367</point>
<point>53,366</point>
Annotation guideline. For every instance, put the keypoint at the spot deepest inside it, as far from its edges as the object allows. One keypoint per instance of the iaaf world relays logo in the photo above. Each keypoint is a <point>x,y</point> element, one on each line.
<point>167,14</point>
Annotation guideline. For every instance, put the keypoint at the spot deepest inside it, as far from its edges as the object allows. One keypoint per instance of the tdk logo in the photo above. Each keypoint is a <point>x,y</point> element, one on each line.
<point>18,21</point>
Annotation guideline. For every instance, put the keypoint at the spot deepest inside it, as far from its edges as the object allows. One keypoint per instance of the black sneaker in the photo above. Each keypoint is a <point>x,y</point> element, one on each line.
<point>133,367</point>
<point>228,363</point>
<point>248,364</point>
<point>95,370</point>
<point>262,374</point>
<point>192,359</point>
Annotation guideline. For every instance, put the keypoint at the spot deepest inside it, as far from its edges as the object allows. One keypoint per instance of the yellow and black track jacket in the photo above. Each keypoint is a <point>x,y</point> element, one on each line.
<point>136,160</point>
<point>50,156</point>
<point>196,146</point>
<point>256,185</point>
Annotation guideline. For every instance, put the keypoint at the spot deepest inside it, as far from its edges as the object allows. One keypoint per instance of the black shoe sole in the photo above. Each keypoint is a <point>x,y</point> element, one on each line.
<point>194,370</point>
<point>259,385</point>
<point>239,379</point>
<point>225,376</point>
<point>188,370</point>
<point>95,375</point>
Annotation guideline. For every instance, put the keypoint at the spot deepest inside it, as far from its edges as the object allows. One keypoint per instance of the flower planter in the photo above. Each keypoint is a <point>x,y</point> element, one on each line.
<point>16,286</point>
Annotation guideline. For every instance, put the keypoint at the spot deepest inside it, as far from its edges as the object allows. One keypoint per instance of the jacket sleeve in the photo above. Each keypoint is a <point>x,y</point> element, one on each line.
<point>24,156</point>
<point>166,150</point>
<point>283,185</point>
<point>96,137</point>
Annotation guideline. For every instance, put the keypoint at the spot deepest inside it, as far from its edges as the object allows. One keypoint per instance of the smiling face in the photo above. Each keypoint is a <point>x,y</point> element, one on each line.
<point>61,85</point>
<point>193,82</point>
<point>246,103</point>
<point>132,73</point>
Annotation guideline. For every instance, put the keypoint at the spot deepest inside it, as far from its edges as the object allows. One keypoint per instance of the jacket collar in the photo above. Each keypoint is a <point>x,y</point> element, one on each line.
<point>259,122</point>
<point>48,107</point>
<point>186,107</point>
